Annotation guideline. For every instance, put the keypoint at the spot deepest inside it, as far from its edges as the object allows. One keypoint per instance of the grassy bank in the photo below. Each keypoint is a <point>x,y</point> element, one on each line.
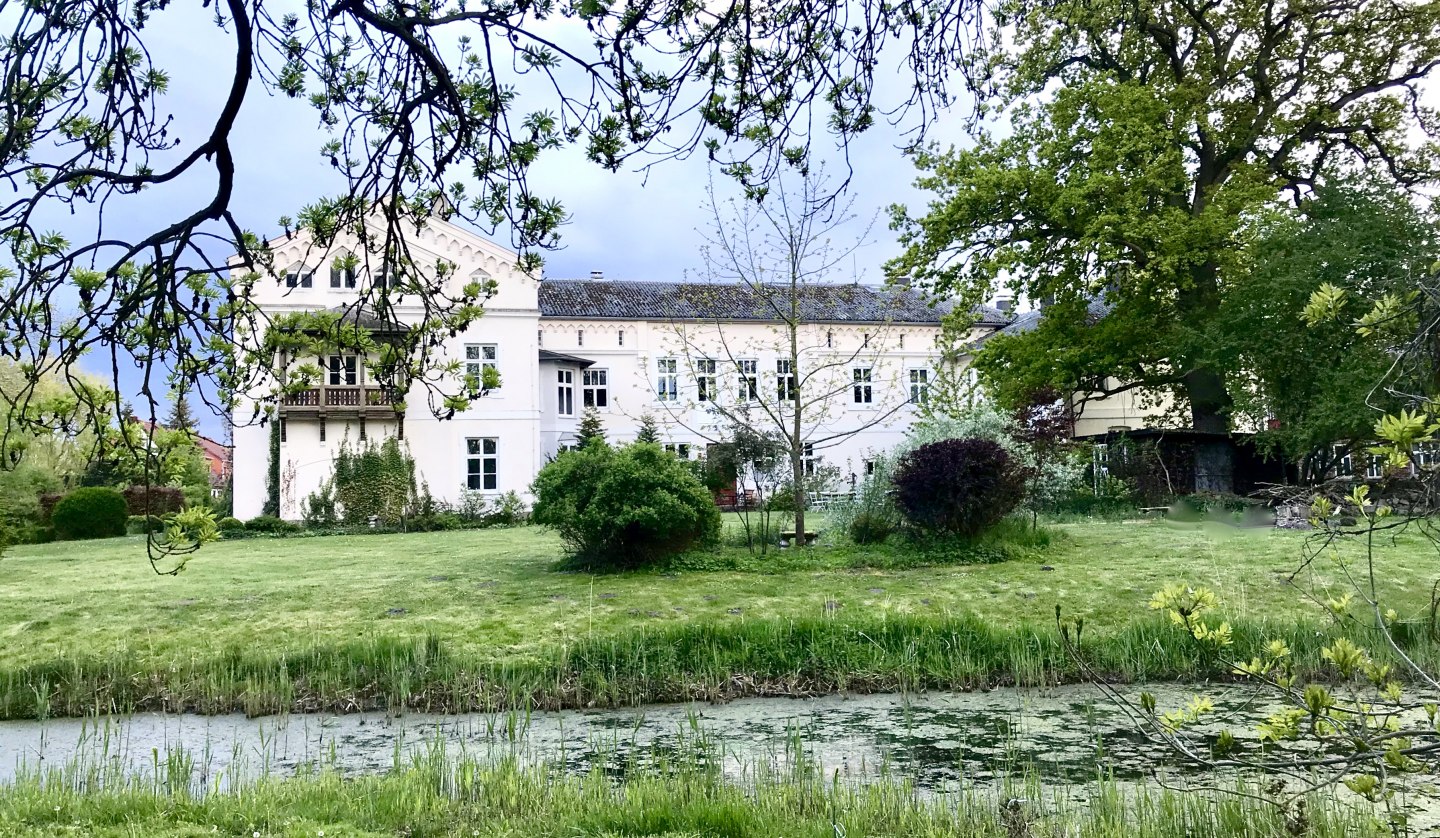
<point>439,795</point>
<point>483,620</point>
<point>704,661</point>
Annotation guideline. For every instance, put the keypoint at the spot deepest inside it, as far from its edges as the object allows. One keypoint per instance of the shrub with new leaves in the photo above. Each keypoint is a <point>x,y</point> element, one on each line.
<point>958,486</point>
<point>90,512</point>
<point>624,507</point>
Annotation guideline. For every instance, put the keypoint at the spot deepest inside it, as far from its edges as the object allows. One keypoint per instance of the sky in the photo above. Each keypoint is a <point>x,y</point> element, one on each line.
<point>641,225</point>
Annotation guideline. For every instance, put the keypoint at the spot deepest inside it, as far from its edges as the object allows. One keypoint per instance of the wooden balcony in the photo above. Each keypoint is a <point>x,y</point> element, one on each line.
<point>377,402</point>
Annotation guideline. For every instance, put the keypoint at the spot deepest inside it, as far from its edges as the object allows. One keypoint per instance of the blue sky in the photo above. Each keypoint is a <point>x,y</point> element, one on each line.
<point>630,224</point>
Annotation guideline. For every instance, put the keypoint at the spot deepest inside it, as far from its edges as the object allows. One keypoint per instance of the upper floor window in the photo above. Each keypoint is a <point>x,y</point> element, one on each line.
<point>478,358</point>
<point>344,370</point>
<point>829,340</point>
<point>343,271</point>
<point>579,337</point>
<point>565,392</point>
<point>919,386</point>
<point>482,464</point>
<point>667,380</point>
<point>595,388</point>
<point>785,385</point>
<point>705,380</point>
<point>621,336</point>
<point>864,392</point>
<point>749,390</point>
<point>902,340</point>
<point>299,276</point>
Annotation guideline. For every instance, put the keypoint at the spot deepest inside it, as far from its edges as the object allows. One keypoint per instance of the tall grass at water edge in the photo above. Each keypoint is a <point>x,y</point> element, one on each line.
<point>436,793</point>
<point>689,661</point>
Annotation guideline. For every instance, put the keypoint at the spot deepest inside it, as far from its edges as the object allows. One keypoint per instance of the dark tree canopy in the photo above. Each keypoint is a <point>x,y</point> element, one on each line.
<point>420,110</point>
<point>1125,148</point>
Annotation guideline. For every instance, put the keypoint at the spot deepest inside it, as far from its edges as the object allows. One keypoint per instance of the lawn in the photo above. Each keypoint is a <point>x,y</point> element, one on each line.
<point>89,621</point>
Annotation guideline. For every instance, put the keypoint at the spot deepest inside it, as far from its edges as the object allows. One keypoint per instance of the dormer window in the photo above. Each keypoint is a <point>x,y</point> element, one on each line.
<point>344,271</point>
<point>299,276</point>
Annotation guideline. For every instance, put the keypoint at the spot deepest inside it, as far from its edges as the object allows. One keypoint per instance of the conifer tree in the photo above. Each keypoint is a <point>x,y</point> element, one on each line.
<point>649,430</point>
<point>181,417</point>
<point>591,427</point>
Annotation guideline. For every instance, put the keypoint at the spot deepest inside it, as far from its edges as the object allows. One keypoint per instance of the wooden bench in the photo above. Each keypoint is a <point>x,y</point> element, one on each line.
<point>788,536</point>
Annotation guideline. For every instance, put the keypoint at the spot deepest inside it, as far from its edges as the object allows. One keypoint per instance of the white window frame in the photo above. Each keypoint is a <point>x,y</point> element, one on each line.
<point>476,362</point>
<point>299,276</point>
<point>595,388</point>
<point>919,381</point>
<point>565,392</point>
<point>809,460</point>
<point>748,381</point>
<point>343,279</point>
<point>480,452</point>
<point>863,386</point>
<point>786,386</point>
<point>343,370</point>
<point>667,380</point>
<point>705,389</point>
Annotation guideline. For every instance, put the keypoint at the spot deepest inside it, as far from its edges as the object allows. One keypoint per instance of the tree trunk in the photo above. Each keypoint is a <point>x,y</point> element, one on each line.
<point>1209,414</point>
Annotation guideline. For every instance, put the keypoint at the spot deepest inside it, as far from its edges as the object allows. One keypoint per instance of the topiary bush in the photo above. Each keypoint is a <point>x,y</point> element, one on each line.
<point>625,507</point>
<point>230,526</point>
<point>958,486</point>
<point>90,512</point>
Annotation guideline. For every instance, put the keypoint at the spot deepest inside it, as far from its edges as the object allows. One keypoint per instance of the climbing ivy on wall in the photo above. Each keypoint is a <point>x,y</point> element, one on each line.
<point>376,480</point>
<point>272,476</point>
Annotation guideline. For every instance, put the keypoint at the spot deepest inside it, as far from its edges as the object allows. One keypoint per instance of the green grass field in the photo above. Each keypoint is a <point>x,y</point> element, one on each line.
<point>465,615</point>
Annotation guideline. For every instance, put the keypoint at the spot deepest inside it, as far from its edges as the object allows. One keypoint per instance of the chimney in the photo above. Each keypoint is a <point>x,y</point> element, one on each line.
<point>597,276</point>
<point>1005,303</point>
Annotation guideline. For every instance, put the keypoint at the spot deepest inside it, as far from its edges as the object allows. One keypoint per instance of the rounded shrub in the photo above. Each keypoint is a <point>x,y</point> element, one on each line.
<point>625,507</point>
<point>90,512</point>
<point>230,525</point>
<point>270,524</point>
<point>143,524</point>
<point>958,486</point>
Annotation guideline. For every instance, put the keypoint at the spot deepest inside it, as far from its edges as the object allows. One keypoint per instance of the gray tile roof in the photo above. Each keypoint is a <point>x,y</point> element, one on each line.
<point>592,299</point>
<point>1095,310</point>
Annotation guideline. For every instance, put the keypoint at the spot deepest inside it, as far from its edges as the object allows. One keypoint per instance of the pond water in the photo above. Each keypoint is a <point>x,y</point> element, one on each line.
<point>942,742</point>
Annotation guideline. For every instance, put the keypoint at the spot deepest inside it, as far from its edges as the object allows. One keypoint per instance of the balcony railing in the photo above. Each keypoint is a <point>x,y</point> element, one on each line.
<point>341,398</point>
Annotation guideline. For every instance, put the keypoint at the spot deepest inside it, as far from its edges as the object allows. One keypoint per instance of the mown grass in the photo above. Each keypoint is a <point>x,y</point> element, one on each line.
<point>482,620</point>
<point>683,797</point>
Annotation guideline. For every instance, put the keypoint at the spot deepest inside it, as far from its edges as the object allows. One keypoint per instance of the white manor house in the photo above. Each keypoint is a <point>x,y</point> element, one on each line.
<point>672,351</point>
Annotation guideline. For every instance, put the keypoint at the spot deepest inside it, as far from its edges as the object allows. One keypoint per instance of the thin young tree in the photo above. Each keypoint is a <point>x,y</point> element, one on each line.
<point>775,283</point>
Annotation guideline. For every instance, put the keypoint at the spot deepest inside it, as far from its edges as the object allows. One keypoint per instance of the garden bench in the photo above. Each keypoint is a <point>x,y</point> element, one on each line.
<point>1150,511</point>
<point>788,536</point>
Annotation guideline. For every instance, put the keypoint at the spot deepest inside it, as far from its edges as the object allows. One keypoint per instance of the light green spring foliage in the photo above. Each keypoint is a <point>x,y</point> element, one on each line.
<point>1112,158</point>
<point>373,480</point>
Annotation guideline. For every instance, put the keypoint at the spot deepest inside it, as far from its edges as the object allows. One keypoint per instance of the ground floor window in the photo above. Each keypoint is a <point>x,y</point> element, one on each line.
<point>482,463</point>
<point>809,461</point>
<point>679,449</point>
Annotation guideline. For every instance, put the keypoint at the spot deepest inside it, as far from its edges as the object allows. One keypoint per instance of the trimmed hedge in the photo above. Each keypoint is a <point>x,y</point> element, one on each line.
<point>90,512</point>
<point>154,500</point>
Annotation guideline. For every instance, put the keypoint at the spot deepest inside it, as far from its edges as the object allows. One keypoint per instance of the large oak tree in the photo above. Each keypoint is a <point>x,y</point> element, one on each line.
<point>1125,144</point>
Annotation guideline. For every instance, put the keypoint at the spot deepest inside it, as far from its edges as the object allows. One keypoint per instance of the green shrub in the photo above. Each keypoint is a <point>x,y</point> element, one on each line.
<point>154,500</point>
<point>144,524</point>
<point>624,507</point>
<point>374,481</point>
<point>870,528</point>
<point>270,524</point>
<point>90,512</point>
<point>230,525</point>
<point>958,486</point>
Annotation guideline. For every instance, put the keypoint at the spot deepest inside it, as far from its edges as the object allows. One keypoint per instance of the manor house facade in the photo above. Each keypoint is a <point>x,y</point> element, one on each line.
<point>695,358</point>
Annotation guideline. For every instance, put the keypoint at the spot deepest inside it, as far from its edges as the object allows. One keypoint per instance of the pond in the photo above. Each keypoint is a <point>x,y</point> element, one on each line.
<point>942,742</point>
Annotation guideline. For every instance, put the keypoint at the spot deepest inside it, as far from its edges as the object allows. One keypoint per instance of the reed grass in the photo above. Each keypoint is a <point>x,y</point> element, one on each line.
<point>707,661</point>
<point>685,795</point>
